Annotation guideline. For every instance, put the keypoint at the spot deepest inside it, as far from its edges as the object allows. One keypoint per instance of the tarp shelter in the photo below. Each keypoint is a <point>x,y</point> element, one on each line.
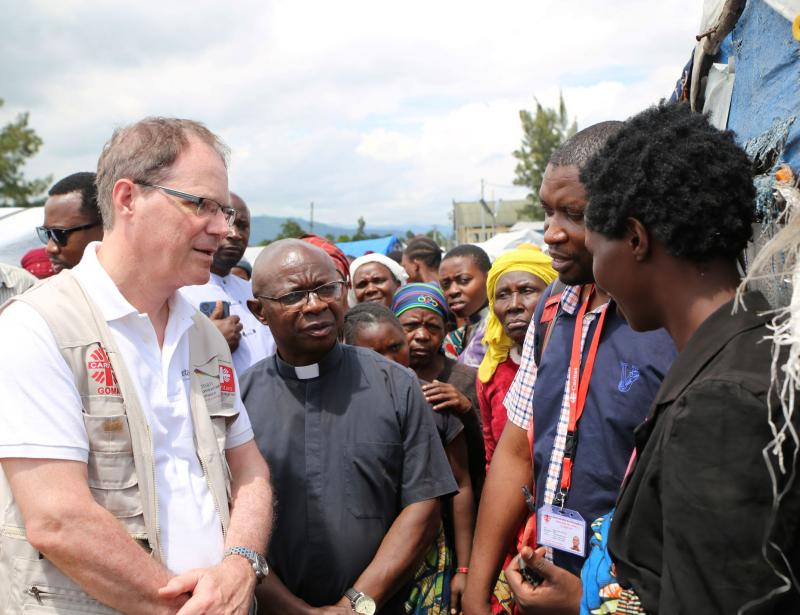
<point>503,242</point>
<point>18,232</point>
<point>744,71</point>
<point>382,245</point>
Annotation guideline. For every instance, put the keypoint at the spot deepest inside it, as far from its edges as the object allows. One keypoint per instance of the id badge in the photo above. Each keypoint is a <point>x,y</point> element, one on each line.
<point>561,529</point>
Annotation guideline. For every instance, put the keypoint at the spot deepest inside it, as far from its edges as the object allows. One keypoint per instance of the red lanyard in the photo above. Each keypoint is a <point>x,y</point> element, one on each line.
<point>578,391</point>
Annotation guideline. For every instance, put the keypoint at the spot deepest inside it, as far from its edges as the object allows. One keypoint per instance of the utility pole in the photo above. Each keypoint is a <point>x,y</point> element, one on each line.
<point>483,221</point>
<point>311,219</point>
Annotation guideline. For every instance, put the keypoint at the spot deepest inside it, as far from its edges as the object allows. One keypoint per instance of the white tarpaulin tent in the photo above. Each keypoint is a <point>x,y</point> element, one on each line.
<point>522,232</point>
<point>18,232</point>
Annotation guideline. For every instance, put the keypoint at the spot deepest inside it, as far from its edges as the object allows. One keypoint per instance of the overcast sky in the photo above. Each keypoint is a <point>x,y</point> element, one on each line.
<point>386,110</point>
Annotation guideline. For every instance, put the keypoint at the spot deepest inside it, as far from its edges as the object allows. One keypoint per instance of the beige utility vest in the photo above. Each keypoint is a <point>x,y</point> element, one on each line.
<point>121,470</point>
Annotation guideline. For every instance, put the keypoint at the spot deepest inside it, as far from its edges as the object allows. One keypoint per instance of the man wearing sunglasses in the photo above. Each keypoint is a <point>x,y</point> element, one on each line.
<point>71,220</point>
<point>130,478</point>
<point>357,465</point>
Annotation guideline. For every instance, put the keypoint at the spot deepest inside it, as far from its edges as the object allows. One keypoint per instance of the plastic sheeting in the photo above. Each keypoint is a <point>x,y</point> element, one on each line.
<point>382,245</point>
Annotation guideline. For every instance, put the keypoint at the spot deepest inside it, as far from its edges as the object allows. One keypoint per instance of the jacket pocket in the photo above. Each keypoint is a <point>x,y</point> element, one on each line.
<point>372,472</point>
<point>39,587</point>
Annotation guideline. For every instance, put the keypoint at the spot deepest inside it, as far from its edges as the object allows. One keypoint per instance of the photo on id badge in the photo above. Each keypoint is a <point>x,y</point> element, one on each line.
<point>562,529</point>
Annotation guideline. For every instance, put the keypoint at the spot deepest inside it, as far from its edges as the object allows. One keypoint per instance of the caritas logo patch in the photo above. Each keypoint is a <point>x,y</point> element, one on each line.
<point>226,381</point>
<point>101,372</point>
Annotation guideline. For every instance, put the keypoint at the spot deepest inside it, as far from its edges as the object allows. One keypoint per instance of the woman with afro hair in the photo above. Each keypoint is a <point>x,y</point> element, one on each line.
<point>707,519</point>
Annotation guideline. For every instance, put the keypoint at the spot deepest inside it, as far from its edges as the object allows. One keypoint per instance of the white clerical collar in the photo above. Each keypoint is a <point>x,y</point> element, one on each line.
<point>307,372</point>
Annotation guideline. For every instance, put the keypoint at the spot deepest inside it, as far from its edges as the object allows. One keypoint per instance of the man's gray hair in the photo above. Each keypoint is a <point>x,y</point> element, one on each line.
<point>144,152</point>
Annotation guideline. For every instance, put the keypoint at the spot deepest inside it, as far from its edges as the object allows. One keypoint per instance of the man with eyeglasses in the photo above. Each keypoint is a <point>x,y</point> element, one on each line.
<point>248,339</point>
<point>130,478</point>
<point>71,220</point>
<point>355,458</point>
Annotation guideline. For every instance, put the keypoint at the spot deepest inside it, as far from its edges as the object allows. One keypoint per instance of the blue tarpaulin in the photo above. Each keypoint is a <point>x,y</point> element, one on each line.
<point>382,245</point>
<point>766,95</point>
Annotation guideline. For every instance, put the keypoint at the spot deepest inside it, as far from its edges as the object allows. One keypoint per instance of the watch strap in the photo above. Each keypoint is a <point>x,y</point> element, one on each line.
<point>256,560</point>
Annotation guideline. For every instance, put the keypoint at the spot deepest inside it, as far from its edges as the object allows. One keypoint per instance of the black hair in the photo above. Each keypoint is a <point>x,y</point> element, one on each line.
<point>83,182</point>
<point>423,248</point>
<point>396,255</point>
<point>366,314</point>
<point>582,146</point>
<point>474,252</point>
<point>687,182</point>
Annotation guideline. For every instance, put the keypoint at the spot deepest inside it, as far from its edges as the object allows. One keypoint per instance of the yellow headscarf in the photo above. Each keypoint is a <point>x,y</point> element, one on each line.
<point>525,257</point>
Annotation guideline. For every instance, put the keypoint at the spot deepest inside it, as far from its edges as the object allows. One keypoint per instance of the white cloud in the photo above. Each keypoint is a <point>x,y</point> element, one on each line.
<point>388,111</point>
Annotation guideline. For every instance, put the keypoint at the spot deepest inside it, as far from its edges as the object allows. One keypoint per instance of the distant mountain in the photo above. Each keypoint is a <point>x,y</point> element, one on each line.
<point>268,227</point>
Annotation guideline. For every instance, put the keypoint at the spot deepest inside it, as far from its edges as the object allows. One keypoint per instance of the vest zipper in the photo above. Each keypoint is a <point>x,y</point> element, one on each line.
<point>211,488</point>
<point>38,593</point>
<point>155,496</point>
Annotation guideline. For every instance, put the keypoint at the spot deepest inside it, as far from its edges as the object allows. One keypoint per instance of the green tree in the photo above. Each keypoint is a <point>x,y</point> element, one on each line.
<point>343,239</point>
<point>329,237</point>
<point>542,133</point>
<point>360,232</point>
<point>18,142</point>
<point>290,229</point>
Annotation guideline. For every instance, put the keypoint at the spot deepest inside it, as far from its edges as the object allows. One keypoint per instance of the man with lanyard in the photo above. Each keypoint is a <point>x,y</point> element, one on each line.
<point>248,339</point>
<point>592,387</point>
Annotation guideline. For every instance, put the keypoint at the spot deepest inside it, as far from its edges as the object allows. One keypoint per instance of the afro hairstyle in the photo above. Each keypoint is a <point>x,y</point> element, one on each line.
<point>687,182</point>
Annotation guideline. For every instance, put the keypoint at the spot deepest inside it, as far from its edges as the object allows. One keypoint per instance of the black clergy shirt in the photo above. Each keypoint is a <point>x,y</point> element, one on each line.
<point>350,442</point>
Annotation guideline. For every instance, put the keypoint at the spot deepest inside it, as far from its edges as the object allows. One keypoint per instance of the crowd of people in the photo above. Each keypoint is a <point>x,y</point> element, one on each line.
<point>587,428</point>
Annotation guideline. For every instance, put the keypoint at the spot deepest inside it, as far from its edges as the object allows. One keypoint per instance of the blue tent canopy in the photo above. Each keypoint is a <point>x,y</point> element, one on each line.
<point>382,245</point>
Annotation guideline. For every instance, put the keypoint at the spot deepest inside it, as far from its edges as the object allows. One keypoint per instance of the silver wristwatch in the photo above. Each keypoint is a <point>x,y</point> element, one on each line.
<point>361,603</point>
<point>256,560</point>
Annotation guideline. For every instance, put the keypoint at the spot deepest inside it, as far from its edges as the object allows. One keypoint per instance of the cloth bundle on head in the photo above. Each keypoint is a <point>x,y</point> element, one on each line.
<point>420,295</point>
<point>525,257</point>
<point>394,267</point>
<point>339,259</point>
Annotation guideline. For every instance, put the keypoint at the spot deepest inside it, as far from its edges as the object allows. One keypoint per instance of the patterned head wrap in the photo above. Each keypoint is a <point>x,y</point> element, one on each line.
<point>525,257</point>
<point>420,295</point>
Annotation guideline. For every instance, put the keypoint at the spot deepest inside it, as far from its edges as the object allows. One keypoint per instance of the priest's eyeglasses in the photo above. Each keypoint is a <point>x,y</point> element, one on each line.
<point>295,300</point>
<point>206,207</point>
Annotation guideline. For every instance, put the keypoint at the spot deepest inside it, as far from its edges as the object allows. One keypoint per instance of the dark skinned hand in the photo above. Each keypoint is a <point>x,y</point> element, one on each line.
<point>559,593</point>
<point>457,587</point>
<point>444,396</point>
<point>230,327</point>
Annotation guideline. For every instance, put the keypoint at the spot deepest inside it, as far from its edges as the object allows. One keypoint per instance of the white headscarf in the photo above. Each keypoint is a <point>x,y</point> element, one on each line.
<point>394,267</point>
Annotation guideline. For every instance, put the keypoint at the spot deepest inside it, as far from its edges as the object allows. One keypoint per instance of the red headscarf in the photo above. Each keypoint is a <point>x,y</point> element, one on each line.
<point>339,259</point>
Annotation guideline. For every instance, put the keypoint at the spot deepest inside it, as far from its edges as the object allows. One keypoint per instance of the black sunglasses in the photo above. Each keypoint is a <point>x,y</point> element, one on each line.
<point>61,235</point>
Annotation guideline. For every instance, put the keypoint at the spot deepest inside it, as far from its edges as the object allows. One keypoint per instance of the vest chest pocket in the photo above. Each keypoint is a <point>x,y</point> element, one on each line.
<point>111,469</point>
<point>106,424</point>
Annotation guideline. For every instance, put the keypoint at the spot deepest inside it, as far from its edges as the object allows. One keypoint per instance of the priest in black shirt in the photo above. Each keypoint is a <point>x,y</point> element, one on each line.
<point>355,459</point>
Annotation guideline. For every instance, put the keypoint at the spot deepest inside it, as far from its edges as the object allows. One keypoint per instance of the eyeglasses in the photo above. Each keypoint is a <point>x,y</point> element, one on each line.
<point>61,235</point>
<point>206,207</point>
<point>295,300</point>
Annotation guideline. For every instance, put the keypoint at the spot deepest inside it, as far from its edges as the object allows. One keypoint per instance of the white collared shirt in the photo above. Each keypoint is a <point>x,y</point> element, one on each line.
<point>41,411</point>
<point>256,342</point>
